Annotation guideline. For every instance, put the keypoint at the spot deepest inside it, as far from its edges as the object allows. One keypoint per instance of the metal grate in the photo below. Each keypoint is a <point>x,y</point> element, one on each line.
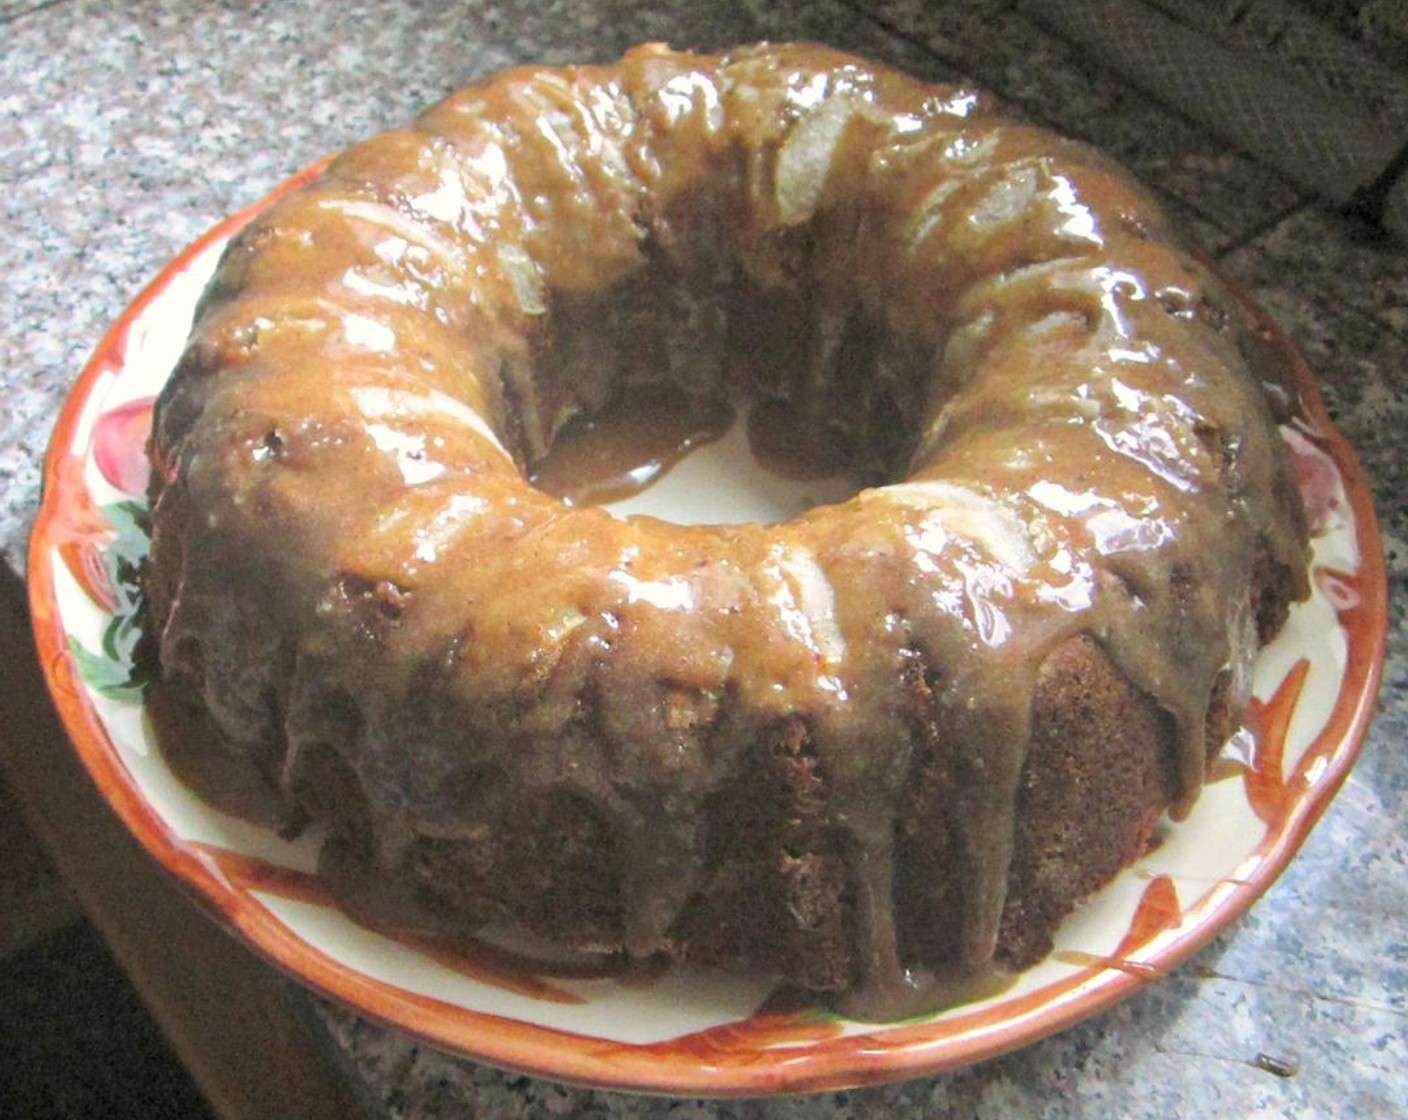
<point>1269,78</point>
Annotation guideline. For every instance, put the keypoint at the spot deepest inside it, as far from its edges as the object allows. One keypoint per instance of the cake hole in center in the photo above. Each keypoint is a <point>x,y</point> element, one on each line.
<point>655,451</point>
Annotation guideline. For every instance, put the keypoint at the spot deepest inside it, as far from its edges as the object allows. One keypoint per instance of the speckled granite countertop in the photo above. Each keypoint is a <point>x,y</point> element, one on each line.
<point>128,127</point>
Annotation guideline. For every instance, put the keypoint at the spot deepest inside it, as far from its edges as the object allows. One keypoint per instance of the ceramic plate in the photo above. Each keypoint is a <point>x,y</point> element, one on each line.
<point>501,1001</point>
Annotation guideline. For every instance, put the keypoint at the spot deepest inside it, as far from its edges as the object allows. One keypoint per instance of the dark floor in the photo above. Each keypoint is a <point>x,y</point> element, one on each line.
<point>76,1043</point>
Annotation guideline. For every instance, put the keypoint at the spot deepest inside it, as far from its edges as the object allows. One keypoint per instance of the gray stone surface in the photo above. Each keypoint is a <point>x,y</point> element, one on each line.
<point>127,128</point>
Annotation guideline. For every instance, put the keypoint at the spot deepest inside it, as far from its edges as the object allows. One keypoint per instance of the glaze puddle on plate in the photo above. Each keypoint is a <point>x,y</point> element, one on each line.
<point>721,483</point>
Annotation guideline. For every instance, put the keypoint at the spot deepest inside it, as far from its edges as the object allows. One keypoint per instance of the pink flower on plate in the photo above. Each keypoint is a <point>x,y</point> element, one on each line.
<point>1316,473</point>
<point>120,446</point>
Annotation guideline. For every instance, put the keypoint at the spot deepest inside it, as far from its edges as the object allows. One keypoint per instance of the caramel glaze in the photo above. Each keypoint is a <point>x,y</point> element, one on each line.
<point>635,439</point>
<point>351,570</point>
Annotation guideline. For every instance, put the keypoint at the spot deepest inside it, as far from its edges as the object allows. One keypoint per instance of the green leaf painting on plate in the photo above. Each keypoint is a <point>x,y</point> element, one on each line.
<point>114,669</point>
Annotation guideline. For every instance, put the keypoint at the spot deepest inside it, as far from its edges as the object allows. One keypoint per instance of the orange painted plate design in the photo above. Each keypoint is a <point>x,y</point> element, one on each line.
<point>686,1031</point>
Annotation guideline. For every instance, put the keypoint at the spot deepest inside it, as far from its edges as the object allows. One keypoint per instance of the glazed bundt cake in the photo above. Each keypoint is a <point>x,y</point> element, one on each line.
<point>880,749</point>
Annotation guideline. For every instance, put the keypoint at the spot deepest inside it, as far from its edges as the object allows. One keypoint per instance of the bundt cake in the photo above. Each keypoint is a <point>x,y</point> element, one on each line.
<point>878,750</point>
